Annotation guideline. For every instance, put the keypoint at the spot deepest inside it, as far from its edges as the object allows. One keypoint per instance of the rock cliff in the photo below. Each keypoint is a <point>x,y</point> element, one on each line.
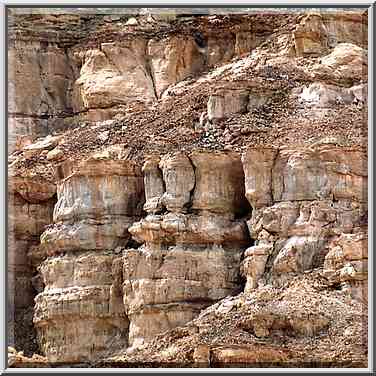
<point>188,190</point>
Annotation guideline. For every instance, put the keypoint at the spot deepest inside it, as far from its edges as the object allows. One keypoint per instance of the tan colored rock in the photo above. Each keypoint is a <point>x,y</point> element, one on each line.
<point>245,42</point>
<point>77,303</point>
<point>132,22</point>
<point>190,229</point>
<point>346,61</point>
<point>79,324</point>
<point>98,199</point>
<point>55,154</point>
<point>22,131</point>
<point>174,59</point>
<point>190,259</point>
<point>319,31</point>
<point>253,266</point>
<point>31,204</point>
<point>246,354</point>
<point>116,74</point>
<point>31,189</point>
<point>310,36</point>
<point>346,27</point>
<point>225,103</point>
<point>258,164</point>
<point>154,186</point>
<point>38,79</point>
<point>324,196</point>
<point>347,263</point>
<point>220,50</point>
<point>201,355</point>
<point>321,172</point>
<point>167,288</point>
<point>296,255</point>
<point>179,179</point>
<point>219,183</point>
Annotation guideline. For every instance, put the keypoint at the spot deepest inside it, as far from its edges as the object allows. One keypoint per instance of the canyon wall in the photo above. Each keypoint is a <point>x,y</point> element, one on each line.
<point>159,170</point>
<point>77,315</point>
<point>308,210</point>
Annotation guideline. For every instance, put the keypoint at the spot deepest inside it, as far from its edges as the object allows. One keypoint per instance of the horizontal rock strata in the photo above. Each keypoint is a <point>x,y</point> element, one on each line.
<point>192,241</point>
<point>303,200</point>
<point>78,317</point>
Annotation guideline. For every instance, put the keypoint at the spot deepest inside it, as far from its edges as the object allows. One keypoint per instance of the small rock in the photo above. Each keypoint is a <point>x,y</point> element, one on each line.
<point>104,136</point>
<point>132,22</point>
<point>55,154</point>
<point>245,130</point>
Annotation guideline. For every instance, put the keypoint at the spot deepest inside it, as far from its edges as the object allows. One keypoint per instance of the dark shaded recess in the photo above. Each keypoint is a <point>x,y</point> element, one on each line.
<point>200,39</point>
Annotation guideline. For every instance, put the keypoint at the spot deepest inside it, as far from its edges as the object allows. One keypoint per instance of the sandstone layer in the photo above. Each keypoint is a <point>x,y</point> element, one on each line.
<point>193,240</point>
<point>77,316</point>
<point>305,201</point>
<point>188,189</point>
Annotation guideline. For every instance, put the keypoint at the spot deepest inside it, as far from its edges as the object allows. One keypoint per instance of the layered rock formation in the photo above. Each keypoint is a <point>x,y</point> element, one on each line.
<point>193,241</point>
<point>318,32</point>
<point>235,196</point>
<point>31,204</point>
<point>309,200</point>
<point>40,78</point>
<point>77,316</point>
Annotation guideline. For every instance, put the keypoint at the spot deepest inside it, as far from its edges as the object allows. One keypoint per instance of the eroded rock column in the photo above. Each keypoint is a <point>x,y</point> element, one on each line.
<point>78,316</point>
<point>305,201</point>
<point>191,252</point>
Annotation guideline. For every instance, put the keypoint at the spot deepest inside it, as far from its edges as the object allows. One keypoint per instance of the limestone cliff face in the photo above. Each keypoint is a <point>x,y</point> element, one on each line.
<point>31,204</point>
<point>165,171</point>
<point>310,201</point>
<point>192,241</point>
<point>77,316</point>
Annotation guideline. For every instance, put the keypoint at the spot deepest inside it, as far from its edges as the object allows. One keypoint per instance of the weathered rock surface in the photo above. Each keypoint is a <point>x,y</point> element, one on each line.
<point>192,253</point>
<point>174,59</point>
<point>318,32</point>
<point>97,201</point>
<point>302,200</point>
<point>346,62</point>
<point>77,316</point>
<point>347,264</point>
<point>40,77</point>
<point>112,75</point>
<point>157,84</point>
<point>31,205</point>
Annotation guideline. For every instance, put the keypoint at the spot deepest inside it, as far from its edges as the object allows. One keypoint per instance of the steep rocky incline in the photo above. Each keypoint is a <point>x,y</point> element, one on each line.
<point>188,190</point>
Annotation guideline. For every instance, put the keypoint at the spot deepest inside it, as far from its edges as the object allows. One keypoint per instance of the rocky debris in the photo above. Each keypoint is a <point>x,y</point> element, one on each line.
<point>273,326</point>
<point>192,95</point>
<point>16,359</point>
<point>346,264</point>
